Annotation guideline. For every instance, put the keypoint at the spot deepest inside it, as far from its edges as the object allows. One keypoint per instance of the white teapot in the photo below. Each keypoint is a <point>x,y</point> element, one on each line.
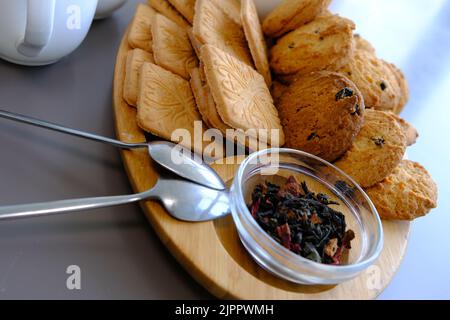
<point>40,32</point>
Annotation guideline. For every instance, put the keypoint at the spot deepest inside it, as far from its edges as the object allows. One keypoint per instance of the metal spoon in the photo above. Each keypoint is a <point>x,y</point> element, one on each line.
<point>183,200</point>
<point>161,151</point>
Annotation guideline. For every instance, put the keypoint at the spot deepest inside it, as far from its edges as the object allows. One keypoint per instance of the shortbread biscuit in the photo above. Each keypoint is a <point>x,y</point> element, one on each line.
<point>383,87</point>
<point>242,97</point>
<point>408,193</point>
<point>166,9</point>
<point>212,26</point>
<point>140,35</point>
<point>292,14</point>
<point>205,102</point>
<point>172,48</point>
<point>255,38</point>
<point>135,59</point>
<point>165,103</point>
<point>208,110</point>
<point>199,92</point>
<point>196,45</point>
<point>321,113</point>
<point>377,150</point>
<point>185,7</point>
<point>327,42</point>
<point>232,9</point>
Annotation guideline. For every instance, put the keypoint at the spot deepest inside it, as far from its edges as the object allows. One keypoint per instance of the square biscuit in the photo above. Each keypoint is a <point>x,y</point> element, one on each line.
<point>185,7</point>
<point>214,27</point>
<point>255,37</point>
<point>241,94</point>
<point>172,48</point>
<point>140,35</point>
<point>166,9</point>
<point>135,59</point>
<point>165,103</point>
<point>232,9</point>
<point>205,102</point>
<point>195,43</point>
<point>208,110</point>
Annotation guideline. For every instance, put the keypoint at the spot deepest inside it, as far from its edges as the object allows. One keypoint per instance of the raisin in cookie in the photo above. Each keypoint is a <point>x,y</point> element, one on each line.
<point>325,43</point>
<point>382,84</point>
<point>408,193</point>
<point>291,14</point>
<point>321,113</point>
<point>377,150</point>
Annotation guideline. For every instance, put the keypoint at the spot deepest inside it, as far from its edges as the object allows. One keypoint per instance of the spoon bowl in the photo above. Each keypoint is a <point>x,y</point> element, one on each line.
<point>173,157</point>
<point>182,199</point>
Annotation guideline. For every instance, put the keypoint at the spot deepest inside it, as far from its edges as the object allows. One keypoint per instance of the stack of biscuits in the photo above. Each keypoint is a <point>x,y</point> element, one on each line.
<point>302,74</point>
<point>201,62</point>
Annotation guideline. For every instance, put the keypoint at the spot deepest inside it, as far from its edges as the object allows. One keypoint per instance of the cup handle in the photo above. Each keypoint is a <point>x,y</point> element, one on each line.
<point>39,27</point>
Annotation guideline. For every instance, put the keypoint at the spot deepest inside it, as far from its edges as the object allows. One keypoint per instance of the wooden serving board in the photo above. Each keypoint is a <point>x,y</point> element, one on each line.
<point>212,253</point>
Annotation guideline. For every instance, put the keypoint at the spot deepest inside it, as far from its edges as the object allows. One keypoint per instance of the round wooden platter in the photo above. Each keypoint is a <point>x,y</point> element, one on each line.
<point>212,253</point>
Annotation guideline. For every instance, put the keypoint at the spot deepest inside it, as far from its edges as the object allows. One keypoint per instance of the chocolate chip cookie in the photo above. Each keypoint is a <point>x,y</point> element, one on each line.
<point>321,113</point>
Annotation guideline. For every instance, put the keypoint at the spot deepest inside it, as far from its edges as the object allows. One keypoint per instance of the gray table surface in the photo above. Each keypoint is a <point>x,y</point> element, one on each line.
<point>119,254</point>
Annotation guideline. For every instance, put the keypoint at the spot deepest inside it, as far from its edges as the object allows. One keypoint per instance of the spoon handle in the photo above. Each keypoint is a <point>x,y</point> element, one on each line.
<point>55,127</point>
<point>22,211</point>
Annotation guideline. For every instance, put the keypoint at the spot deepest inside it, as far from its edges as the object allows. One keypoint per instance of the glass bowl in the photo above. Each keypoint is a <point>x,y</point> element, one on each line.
<point>276,165</point>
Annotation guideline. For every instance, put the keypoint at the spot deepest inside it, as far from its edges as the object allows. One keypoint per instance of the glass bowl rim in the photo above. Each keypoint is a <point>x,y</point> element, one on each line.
<point>360,265</point>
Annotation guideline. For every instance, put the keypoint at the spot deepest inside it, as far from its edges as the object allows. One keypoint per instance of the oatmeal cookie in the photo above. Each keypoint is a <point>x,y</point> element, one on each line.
<point>291,14</point>
<point>408,129</point>
<point>382,84</point>
<point>325,43</point>
<point>377,150</point>
<point>363,44</point>
<point>321,113</point>
<point>408,193</point>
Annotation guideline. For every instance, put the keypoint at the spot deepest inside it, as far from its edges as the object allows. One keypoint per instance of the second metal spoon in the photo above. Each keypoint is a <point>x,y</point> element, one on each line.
<point>182,199</point>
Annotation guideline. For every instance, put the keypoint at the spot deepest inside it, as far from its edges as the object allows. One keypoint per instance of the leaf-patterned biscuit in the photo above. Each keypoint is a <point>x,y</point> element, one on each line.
<point>291,14</point>
<point>212,26</point>
<point>408,193</point>
<point>166,9</point>
<point>208,110</point>
<point>242,97</point>
<point>196,45</point>
<point>255,38</point>
<point>205,102</point>
<point>140,35</point>
<point>172,48</point>
<point>135,59</point>
<point>377,150</point>
<point>185,7</point>
<point>232,9</point>
<point>165,103</point>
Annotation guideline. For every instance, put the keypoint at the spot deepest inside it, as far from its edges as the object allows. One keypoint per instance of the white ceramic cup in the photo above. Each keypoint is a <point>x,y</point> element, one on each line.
<point>39,32</point>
